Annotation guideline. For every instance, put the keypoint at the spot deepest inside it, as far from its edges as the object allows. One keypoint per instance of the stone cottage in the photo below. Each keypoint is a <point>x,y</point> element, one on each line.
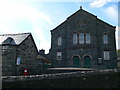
<point>18,52</point>
<point>84,41</point>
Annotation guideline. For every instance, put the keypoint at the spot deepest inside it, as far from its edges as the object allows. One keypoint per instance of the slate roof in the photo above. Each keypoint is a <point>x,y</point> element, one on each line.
<point>79,11</point>
<point>14,39</point>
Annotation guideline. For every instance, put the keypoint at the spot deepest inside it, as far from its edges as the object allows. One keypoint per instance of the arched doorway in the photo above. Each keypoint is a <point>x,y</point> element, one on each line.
<point>76,61</point>
<point>87,62</point>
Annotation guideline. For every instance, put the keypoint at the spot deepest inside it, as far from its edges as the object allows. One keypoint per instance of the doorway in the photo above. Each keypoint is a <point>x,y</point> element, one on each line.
<point>76,61</point>
<point>87,62</point>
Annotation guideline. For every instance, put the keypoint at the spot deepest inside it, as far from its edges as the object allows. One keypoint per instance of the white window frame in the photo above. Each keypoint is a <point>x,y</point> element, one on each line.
<point>87,38</point>
<point>59,41</point>
<point>81,38</point>
<point>59,55</point>
<point>75,38</point>
<point>106,55</point>
<point>4,47</point>
<point>105,39</point>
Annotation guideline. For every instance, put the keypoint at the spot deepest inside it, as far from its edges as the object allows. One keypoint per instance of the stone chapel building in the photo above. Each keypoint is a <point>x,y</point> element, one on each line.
<point>18,52</point>
<point>84,41</point>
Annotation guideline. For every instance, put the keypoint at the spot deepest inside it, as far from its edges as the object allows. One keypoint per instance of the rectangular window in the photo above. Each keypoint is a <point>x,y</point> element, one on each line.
<point>87,38</point>
<point>106,55</point>
<point>4,47</point>
<point>59,55</point>
<point>81,38</point>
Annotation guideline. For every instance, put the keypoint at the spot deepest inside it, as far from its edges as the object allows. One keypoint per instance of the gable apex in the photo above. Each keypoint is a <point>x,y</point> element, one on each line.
<point>80,11</point>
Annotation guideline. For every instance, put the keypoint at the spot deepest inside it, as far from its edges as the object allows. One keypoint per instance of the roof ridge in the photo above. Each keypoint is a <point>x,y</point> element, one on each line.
<point>14,34</point>
<point>81,9</point>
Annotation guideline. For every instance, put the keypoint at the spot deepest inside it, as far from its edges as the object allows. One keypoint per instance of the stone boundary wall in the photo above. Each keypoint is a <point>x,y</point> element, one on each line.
<point>58,75</point>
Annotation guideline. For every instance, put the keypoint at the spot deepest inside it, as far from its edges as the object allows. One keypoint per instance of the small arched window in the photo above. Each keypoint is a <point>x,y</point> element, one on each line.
<point>59,41</point>
<point>105,38</point>
<point>87,38</point>
<point>74,38</point>
<point>81,38</point>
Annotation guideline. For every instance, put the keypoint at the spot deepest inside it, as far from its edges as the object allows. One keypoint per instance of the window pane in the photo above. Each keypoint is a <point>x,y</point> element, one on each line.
<point>106,55</point>
<point>87,38</point>
<point>74,38</point>
<point>81,38</point>
<point>105,39</point>
<point>59,41</point>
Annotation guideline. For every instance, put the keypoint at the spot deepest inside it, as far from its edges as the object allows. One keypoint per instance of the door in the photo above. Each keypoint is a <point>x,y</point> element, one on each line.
<point>87,62</point>
<point>76,61</point>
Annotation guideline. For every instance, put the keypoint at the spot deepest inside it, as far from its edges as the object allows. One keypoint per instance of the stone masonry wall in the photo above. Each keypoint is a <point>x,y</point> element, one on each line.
<point>28,53</point>
<point>85,79</point>
<point>9,58</point>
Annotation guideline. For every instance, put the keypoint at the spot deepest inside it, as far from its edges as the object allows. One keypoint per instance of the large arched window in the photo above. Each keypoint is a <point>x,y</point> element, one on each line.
<point>59,41</point>
<point>87,38</point>
<point>81,38</point>
<point>105,38</point>
<point>74,38</point>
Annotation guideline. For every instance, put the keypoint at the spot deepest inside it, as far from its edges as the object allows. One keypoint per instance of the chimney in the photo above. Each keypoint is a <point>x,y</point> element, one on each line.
<point>42,51</point>
<point>80,7</point>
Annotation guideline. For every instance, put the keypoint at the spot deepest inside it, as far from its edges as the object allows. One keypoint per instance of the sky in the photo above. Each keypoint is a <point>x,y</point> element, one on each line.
<point>40,16</point>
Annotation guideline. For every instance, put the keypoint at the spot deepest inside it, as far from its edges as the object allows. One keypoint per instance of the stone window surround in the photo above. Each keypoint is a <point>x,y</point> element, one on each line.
<point>5,47</point>
<point>81,38</point>
<point>105,38</point>
<point>106,55</point>
<point>78,42</point>
<point>59,40</point>
<point>59,55</point>
<point>87,38</point>
<point>75,38</point>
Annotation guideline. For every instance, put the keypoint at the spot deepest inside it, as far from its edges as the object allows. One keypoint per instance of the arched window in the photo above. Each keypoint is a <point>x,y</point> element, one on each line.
<point>105,38</point>
<point>59,41</point>
<point>74,38</point>
<point>81,38</point>
<point>87,38</point>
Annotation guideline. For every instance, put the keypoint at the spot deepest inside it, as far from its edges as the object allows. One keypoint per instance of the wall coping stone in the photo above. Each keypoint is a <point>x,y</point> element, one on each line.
<point>57,75</point>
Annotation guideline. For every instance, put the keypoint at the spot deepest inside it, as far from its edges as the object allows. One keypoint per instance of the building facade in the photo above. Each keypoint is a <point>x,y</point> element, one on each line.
<point>84,41</point>
<point>19,52</point>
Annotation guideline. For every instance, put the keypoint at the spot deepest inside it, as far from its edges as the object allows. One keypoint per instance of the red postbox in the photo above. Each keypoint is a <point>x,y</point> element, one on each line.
<point>25,72</point>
